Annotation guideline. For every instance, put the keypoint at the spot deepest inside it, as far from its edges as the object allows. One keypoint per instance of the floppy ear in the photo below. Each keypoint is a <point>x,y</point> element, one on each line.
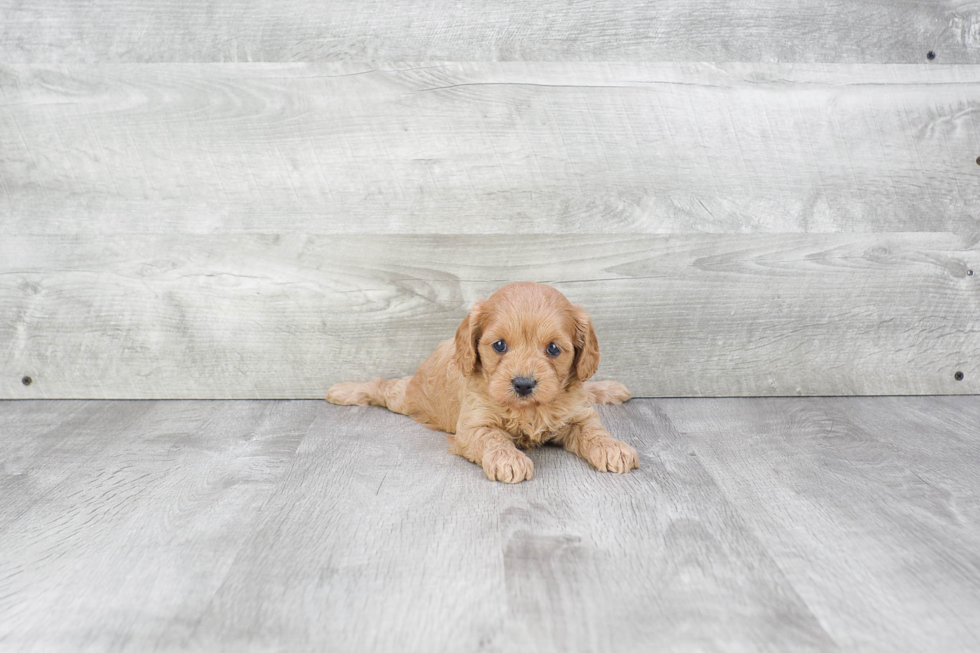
<point>467,336</point>
<point>586,345</point>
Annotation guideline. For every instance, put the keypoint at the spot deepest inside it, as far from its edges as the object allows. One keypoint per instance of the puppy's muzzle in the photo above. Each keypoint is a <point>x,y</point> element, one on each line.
<point>523,385</point>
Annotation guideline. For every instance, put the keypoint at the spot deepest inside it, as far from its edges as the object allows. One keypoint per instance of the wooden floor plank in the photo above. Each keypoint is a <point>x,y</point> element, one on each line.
<point>372,541</point>
<point>868,505</point>
<point>125,553</point>
<point>46,445</point>
<point>752,524</point>
<point>394,543</point>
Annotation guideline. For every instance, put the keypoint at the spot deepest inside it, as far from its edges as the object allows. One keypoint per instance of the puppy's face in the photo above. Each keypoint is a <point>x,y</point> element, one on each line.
<point>529,343</point>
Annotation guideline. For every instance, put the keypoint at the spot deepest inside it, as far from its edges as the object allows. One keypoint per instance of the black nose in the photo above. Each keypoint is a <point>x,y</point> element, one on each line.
<point>523,385</point>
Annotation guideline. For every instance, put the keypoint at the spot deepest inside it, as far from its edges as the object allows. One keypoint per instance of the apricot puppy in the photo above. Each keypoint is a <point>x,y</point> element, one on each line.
<point>513,377</point>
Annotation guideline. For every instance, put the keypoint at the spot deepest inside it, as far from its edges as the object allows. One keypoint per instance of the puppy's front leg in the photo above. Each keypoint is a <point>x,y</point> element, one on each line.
<point>492,449</point>
<point>590,440</point>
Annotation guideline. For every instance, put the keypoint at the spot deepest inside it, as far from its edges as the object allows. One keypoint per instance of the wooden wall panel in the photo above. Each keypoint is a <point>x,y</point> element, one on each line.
<point>227,200</point>
<point>897,31</point>
<point>285,316</point>
<point>489,148</point>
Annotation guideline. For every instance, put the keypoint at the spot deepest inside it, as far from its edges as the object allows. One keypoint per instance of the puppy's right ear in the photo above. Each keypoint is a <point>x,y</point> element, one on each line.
<point>468,335</point>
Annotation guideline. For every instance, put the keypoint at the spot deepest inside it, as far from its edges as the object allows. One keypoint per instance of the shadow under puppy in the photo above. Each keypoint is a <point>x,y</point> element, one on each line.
<point>514,376</point>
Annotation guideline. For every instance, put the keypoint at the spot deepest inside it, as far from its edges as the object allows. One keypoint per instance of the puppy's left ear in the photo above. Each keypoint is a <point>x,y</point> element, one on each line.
<point>586,345</point>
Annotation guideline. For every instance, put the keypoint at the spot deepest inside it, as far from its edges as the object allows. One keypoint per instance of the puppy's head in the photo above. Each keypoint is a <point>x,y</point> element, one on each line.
<point>529,343</point>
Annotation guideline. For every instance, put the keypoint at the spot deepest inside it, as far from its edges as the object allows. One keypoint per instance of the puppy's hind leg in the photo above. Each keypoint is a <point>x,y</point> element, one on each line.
<point>607,392</point>
<point>389,393</point>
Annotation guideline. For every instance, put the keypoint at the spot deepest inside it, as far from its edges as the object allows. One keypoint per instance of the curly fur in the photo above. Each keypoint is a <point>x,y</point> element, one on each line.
<point>466,388</point>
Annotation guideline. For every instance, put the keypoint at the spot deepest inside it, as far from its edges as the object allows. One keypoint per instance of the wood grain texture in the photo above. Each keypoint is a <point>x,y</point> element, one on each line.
<point>899,31</point>
<point>127,549</point>
<point>486,148</point>
<point>252,316</point>
<point>564,564</point>
<point>46,444</point>
<point>752,525</point>
<point>869,505</point>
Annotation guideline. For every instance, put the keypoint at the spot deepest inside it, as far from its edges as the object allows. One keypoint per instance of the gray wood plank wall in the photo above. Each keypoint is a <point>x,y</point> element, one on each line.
<point>798,216</point>
<point>898,31</point>
<point>285,316</point>
<point>490,148</point>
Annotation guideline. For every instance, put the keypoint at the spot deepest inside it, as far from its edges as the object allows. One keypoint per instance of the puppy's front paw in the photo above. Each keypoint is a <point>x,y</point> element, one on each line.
<point>608,392</point>
<point>613,456</point>
<point>507,466</point>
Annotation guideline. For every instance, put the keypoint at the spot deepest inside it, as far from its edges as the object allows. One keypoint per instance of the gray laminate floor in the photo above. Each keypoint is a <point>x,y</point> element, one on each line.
<point>753,524</point>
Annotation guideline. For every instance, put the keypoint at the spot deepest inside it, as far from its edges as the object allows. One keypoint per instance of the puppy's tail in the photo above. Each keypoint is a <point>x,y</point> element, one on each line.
<point>389,393</point>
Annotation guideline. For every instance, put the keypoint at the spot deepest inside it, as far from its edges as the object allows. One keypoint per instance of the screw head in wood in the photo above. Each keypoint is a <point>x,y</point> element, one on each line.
<point>930,55</point>
<point>958,376</point>
<point>969,273</point>
<point>27,380</point>
<point>978,160</point>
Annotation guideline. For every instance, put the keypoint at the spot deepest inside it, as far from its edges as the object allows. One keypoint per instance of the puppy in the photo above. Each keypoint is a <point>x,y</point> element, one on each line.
<point>513,377</point>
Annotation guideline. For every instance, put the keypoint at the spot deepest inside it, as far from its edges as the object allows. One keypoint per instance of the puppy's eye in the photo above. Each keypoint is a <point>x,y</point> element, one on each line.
<point>500,346</point>
<point>553,349</point>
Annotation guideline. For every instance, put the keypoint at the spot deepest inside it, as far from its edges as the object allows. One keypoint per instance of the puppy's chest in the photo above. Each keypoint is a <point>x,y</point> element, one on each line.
<point>534,430</point>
